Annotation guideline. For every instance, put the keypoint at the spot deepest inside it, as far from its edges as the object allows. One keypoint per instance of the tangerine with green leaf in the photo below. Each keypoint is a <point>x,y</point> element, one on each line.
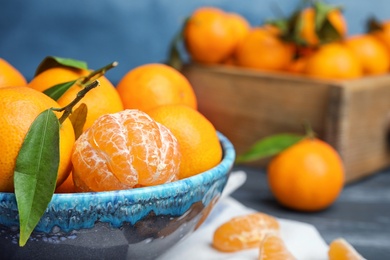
<point>19,106</point>
<point>102,100</point>
<point>307,176</point>
<point>312,29</point>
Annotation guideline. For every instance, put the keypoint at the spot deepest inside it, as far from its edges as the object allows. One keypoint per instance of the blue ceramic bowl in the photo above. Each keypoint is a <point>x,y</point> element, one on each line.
<point>139,223</point>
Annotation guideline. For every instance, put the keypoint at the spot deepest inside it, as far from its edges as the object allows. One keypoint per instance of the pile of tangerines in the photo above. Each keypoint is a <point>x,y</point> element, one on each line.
<point>313,41</point>
<point>145,131</point>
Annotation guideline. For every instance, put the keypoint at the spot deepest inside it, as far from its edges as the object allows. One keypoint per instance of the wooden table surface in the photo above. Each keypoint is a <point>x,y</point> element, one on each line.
<point>361,214</point>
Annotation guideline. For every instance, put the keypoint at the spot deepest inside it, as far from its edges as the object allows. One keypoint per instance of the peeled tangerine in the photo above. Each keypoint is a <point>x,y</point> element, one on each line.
<point>125,150</point>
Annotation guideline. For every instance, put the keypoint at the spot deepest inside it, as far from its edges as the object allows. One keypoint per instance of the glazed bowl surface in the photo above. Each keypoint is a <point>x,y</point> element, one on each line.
<point>140,223</point>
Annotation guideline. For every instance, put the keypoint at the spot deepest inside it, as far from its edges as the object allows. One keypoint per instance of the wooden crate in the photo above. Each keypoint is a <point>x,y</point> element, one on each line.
<point>351,115</point>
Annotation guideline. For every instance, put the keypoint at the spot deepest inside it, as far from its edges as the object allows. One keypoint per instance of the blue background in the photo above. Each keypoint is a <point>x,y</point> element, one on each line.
<point>132,32</point>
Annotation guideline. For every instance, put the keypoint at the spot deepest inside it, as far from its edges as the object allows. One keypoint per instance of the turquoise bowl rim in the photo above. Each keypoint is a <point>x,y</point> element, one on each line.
<point>178,195</point>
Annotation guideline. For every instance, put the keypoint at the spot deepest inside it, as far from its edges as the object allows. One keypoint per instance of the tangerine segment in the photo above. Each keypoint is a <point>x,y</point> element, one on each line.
<point>122,150</point>
<point>244,232</point>
<point>274,248</point>
<point>340,249</point>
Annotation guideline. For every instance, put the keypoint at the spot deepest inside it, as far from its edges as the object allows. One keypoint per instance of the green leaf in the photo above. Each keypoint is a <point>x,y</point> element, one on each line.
<point>58,90</point>
<point>78,119</point>
<point>36,171</point>
<point>269,146</point>
<point>324,28</point>
<point>174,58</point>
<point>53,61</point>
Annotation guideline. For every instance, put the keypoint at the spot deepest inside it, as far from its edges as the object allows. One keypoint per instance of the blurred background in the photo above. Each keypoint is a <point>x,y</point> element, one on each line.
<point>128,31</point>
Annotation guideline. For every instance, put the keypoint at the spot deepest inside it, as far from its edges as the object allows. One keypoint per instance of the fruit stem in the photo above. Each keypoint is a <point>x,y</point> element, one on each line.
<point>68,108</point>
<point>309,130</point>
<point>98,73</point>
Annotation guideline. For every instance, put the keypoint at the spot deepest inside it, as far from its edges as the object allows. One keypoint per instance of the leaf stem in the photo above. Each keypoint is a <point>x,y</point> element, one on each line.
<point>68,108</point>
<point>98,73</point>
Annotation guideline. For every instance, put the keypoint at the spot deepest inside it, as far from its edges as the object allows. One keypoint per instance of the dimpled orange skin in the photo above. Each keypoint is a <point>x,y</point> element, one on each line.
<point>208,35</point>
<point>198,140</point>
<point>125,150</point>
<point>307,176</point>
<point>333,61</point>
<point>151,85</point>
<point>244,232</point>
<point>372,53</point>
<point>10,76</point>
<point>262,49</point>
<point>101,100</point>
<point>19,106</point>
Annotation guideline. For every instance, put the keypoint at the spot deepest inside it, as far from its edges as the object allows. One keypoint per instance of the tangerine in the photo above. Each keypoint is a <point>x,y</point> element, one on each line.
<point>151,85</point>
<point>273,248</point>
<point>307,176</point>
<point>67,186</point>
<point>19,106</point>
<point>383,34</point>
<point>124,150</point>
<point>333,61</point>
<point>101,100</point>
<point>340,249</point>
<point>10,76</point>
<point>372,53</point>
<point>262,49</point>
<point>244,232</point>
<point>308,30</point>
<point>199,144</point>
<point>209,36</point>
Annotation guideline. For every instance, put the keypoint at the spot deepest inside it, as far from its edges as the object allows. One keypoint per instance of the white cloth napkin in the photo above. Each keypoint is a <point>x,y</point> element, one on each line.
<point>302,239</point>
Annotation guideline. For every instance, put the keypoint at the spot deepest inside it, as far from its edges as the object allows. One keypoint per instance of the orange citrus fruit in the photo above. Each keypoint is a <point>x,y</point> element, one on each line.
<point>383,34</point>
<point>333,61</point>
<point>273,248</point>
<point>307,176</point>
<point>340,249</point>
<point>101,100</point>
<point>198,140</point>
<point>262,49</point>
<point>124,150</point>
<point>67,186</point>
<point>10,76</point>
<point>209,35</point>
<point>19,106</point>
<point>151,85</point>
<point>240,25</point>
<point>308,30</point>
<point>244,232</point>
<point>373,55</point>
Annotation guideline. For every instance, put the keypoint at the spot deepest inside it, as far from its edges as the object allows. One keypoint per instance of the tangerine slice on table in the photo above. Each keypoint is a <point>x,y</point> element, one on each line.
<point>274,248</point>
<point>244,232</point>
<point>125,150</point>
<point>340,249</point>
